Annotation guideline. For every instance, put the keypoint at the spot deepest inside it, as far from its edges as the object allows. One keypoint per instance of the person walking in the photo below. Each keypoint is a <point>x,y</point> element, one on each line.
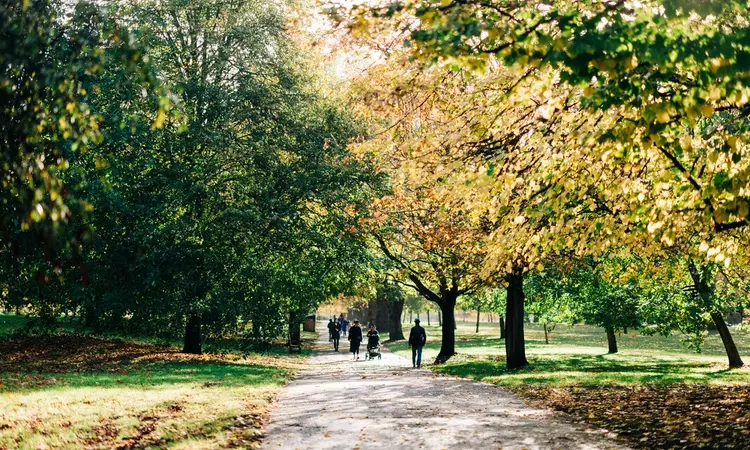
<point>373,338</point>
<point>417,340</point>
<point>331,328</point>
<point>355,338</point>
<point>336,336</point>
<point>343,323</point>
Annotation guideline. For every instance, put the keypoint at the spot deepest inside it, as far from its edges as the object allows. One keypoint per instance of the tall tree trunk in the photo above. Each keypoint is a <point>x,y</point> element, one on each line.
<point>382,318</point>
<point>428,317</point>
<point>395,309</point>
<point>411,318</point>
<point>705,287</point>
<point>502,326</point>
<point>735,360</point>
<point>477,330</point>
<point>515,347</point>
<point>611,339</point>
<point>546,336</point>
<point>440,319</point>
<point>448,346</point>
<point>192,342</point>
<point>464,315</point>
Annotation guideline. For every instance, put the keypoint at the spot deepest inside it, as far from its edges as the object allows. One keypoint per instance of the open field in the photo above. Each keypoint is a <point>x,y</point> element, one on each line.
<point>655,392</point>
<point>578,355</point>
<point>71,391</point>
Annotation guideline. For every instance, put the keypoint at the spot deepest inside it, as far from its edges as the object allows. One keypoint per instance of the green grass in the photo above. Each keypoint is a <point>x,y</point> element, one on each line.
<point>69,392</point>
<point>11,323</point>
<point>577,355</point>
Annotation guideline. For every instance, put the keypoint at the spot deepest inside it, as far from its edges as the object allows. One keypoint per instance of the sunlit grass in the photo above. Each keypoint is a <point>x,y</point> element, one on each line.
<point>115,394</point>
<point>577,355</point>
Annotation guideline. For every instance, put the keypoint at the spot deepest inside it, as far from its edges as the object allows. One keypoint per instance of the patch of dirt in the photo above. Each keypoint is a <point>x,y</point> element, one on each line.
<point>677,416</point>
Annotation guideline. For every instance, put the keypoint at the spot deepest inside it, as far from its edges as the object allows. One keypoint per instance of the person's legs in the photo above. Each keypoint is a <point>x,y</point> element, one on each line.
<point>414,356</point>
<point>335,343</point>
<point>419,357</point>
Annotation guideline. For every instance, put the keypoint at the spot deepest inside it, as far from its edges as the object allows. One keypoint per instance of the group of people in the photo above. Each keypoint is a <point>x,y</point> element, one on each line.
<point>417,338</point>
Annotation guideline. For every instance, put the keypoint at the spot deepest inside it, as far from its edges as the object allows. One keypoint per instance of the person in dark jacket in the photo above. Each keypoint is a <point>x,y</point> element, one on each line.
<point>355,338</point>
<point>336,336</point>
<point>417,340</point>
<point>373,338</point>
<point>331,329</point>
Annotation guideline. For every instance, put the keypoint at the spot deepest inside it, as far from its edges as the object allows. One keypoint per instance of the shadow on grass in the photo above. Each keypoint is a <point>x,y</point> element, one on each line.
<point>149,375</point>
<point>53,361</point>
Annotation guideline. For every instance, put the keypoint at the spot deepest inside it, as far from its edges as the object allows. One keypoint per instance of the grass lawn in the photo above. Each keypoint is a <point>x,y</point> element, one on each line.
<point>578,355</point>
<point>66,391</point>
<point>654,393</point>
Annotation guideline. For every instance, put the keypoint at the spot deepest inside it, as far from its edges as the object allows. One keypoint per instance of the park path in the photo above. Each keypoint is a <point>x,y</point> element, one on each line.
<point>385,404</point>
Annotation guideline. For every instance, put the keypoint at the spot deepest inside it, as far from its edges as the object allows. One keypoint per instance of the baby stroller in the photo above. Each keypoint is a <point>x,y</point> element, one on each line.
<point>373,346</point>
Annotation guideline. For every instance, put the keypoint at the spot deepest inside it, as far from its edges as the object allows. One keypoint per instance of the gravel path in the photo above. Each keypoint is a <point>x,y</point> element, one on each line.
<point>385,404</point>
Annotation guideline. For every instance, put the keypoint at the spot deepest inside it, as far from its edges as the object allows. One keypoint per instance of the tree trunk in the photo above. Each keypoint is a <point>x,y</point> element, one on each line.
<point>546,336</point>
<point>464,315</point>
<point>428,317</point>
<point>611,340</point>
<point>515,347</point>
<point>383,316</point>
<point>440,319</point>
<point>395,309</point>
<point>448,346</point>
<point>411,319</point>
<point>501,321</point>
<point>477,330</point>
<point>705,287</point>
<point>734,356</point>
<point>192,343</point>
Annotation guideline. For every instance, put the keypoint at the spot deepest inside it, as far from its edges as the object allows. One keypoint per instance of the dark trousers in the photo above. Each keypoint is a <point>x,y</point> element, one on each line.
<point>416,356</point>
<point>336,338</point>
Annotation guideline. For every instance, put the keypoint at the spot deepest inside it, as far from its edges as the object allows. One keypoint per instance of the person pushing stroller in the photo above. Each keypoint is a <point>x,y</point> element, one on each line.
<point>373,343</point>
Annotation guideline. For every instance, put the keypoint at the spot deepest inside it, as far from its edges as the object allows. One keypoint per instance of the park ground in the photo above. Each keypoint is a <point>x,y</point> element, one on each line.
<point>654,393</point>
<point>384,403</point>
<point>69,390</point>
<point>73,390</point>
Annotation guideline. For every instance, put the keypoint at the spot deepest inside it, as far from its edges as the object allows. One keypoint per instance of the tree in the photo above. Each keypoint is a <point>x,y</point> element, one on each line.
<point>52,67</point>
<point>703,290</point>
<point>437,263</point>
<point>549,301</point>
<point>391,297</point>
<point>612,145</point>
<point>613,306</point>
<point>234,214</point>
